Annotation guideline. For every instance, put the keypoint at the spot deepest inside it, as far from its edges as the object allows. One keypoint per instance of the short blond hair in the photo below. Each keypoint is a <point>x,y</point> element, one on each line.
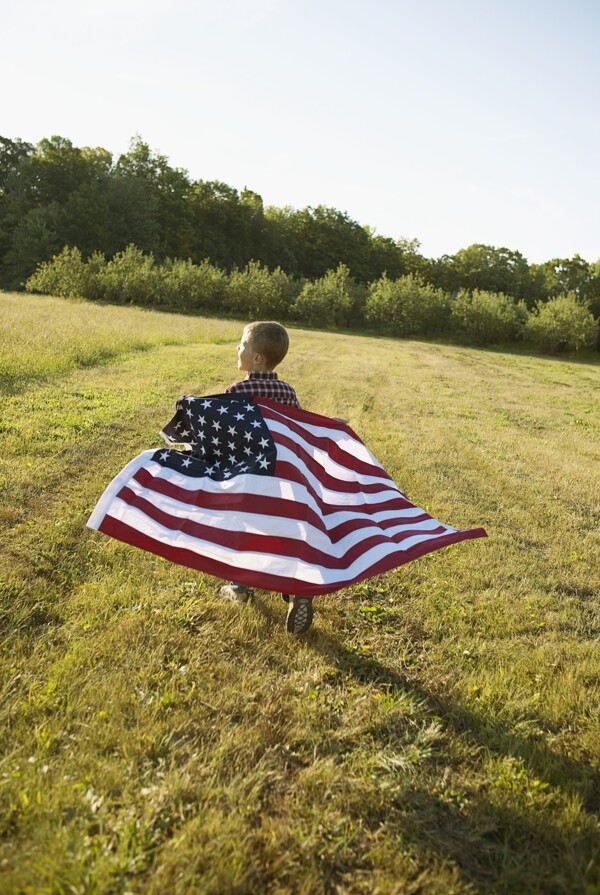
<point>269,339</point>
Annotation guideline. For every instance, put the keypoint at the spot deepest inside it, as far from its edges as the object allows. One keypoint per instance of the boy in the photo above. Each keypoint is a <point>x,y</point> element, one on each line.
<point>263,346</point>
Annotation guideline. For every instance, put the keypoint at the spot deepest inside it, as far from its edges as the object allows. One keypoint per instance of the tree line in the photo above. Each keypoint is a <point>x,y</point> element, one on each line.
<point>55,194</point>
<point>405,306</point>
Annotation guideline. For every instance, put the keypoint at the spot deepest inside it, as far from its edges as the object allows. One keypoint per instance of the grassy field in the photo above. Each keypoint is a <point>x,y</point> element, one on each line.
<point>437,730</point>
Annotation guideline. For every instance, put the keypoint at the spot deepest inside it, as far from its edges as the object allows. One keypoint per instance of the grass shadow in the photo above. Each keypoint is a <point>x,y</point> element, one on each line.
<point>571,775</point>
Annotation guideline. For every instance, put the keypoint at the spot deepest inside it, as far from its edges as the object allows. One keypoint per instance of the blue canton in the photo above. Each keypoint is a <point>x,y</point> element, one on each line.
<point>223,436</point>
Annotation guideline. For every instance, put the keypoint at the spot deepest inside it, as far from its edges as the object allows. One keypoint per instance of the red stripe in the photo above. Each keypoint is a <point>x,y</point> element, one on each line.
<point>328,480</point>
<point>263,504</point>
<point>278,507</point>
<point>122,532</point>
<point>287,471</point>
<point>343,458</point>
<point>251,542</point>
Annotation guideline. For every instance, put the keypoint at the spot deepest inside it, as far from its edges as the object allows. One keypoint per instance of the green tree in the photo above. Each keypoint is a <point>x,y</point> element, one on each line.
<point>492,269</point>
<point>192,287</point>
<point>488,317</point>
<point>37,237</point>
<point>256,292</point>
<point>562,275</point>
<point>334,300</point>
<point>407,306</point>
<point>562,324</point>
<point>133,215</point>
<point>56,169</point>
<point>219,224</point>
<point>65,275</point>
<point>155,197</point>
<point>131,277</point>
<point>321,238</point>
<point>394,257</point>
<point>14,203</point>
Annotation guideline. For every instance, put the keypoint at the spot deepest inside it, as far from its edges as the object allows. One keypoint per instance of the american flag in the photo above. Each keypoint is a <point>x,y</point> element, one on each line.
<point>269,496</point>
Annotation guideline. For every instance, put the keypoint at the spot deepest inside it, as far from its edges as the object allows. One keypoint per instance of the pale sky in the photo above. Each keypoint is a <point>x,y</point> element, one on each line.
<point>448,121</point>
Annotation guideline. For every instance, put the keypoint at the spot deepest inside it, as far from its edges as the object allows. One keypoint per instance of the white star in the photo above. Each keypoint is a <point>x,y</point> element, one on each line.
<point>232,458</point>
<point>259,456</point>
<point>255,423</point>
<point>231,445</point>
<point>245,468</point>
<point>217,463</point>
<point>249,406</point>
<point>215,440</point>
<point>240,416</point>
<point>232,430</point>
<point>202,420</point>
<point>264,443</point>
<point>201,436</point>
<point>222,409</point>
<point>216,425</point>
<point>217,452</point>
<point>264,463</point>
<point>202,450</point>
<point>210,470</point>
<point>189,412</point>
<point>227,473</point>
<point>206,403</point>
<point>164,455</point>
<point>189,398</point>
<point>248,436</point>
<point>177,425</point>
<point>186,462</point>
<point>184,433</point>
<point>247,450</point>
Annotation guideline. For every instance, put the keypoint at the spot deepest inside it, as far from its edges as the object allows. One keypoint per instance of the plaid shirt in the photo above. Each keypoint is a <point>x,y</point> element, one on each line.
<point>259,384</point>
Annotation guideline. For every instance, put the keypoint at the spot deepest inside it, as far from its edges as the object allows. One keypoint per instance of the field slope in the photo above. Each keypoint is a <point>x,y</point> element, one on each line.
<point>435,732</point>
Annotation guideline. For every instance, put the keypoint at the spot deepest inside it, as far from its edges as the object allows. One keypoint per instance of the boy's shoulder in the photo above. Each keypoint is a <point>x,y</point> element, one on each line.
<point>265,387</point>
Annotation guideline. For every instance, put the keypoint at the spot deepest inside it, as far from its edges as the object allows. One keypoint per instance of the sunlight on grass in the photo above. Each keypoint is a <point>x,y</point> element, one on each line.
<point>43,337</point>
<point>435,732</point>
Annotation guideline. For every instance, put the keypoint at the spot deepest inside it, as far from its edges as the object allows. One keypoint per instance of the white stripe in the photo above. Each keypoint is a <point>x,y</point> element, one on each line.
<point>248,486</point>
<point>331,467</point>
<point>287,567</point>
<point>338,498</point>
<point>273,486</point>
<point>343,439</point>
<point>258,524</point>
<point>115,486</point>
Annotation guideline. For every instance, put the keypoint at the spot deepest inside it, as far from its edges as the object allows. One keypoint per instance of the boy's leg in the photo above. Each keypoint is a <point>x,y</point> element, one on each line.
<point>235,593</point>
<point>299,614</point>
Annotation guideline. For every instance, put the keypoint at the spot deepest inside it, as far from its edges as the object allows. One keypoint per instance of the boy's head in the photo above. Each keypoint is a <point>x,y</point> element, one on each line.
<point>263,345</point>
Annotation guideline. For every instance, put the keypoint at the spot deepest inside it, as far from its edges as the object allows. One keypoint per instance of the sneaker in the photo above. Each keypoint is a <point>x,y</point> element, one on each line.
<point>299,614</point>
<point>235,593</point>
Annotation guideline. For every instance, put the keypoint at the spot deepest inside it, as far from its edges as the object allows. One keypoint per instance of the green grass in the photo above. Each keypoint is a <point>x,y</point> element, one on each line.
<point>435,732</point>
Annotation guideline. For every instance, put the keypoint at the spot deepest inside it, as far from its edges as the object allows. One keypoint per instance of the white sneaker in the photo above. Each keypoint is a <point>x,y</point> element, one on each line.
<point>235,593</point>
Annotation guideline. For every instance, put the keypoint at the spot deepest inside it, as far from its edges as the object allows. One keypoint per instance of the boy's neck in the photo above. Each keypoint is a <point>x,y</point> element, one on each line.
<point>261,369</point>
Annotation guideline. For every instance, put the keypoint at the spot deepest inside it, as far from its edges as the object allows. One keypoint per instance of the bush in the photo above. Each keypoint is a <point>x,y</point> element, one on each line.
<point>334,300</point>
<point>488,317</point>
<point>65,275</point>
<point>130,278</point>
<point>258,293</point>
<point>189,286</point>
<point>407,306</point>
<point>562,324</point>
